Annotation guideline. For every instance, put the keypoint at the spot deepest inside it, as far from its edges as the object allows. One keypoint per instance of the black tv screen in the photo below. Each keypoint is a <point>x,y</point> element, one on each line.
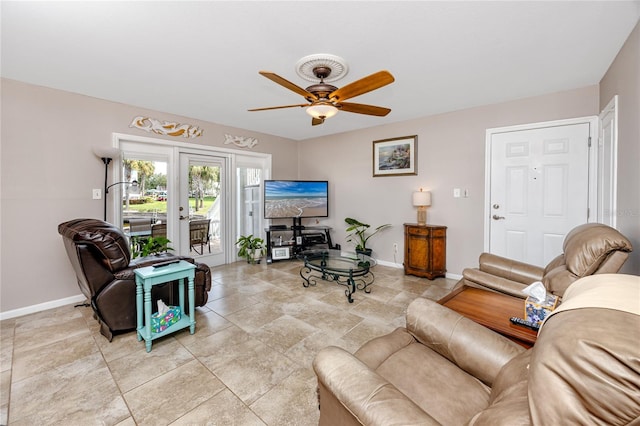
<point>295,198</point>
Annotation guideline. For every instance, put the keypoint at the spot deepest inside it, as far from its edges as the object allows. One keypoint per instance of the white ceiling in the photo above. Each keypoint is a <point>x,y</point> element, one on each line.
<point>201,59</point>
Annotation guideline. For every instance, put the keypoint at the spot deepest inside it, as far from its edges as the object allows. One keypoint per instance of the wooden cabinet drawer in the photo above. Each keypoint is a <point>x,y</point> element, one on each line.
<point>419,230</point>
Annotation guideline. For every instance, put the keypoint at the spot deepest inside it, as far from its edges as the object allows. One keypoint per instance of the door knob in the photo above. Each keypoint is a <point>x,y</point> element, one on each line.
<point>496,217</point>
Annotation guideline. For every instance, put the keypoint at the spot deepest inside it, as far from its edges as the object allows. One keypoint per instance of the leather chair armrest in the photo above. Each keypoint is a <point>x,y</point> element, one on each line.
<point>364,394</point>
<point>475,349</point>
<point>142,262</point>
<point>510,269</point>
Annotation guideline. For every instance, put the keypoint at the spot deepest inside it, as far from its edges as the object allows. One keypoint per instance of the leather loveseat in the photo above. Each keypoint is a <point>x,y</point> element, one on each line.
<point>445,369</point>
<point>100,256</point>
<point>588,249</point>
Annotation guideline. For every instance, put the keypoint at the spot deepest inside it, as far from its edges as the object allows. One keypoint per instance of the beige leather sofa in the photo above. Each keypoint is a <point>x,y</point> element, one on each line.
<point>445,369</point>
<point>588,249</point>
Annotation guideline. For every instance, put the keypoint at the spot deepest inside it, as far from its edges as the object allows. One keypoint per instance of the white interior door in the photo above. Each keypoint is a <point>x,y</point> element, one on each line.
<point>202,208</point>
<point>538,191</point>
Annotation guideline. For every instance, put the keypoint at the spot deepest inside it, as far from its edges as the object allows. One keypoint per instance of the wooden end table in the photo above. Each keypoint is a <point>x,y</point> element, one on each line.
<point>491,310</point>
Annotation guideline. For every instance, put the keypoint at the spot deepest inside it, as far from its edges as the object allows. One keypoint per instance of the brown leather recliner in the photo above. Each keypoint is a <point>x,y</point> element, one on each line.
<point>588,249</point>
<point>100,256</point>
<point>443,368</point>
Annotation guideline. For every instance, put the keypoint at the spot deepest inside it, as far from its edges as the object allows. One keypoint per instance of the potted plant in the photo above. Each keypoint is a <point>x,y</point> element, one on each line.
<point>251,248</point>
<point>357,234</point>
<point>150,246</point>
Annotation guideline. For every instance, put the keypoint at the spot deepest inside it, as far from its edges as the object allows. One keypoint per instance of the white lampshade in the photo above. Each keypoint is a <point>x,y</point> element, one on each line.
<point>422,198</point>
<point>104,152</point>
<point>322,111</point>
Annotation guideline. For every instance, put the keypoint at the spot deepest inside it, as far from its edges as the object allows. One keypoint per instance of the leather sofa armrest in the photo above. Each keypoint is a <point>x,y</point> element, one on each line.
<point>349,387</point>
<point>475,349</point>
<point>510,269</point>
<point>480,279</point>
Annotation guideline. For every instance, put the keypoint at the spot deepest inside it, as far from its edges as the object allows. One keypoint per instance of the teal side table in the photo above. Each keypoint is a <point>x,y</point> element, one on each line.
<point>149,276</point>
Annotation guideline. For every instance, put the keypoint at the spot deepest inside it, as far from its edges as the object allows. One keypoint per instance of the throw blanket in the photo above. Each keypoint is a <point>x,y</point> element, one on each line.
<point>610,291</point>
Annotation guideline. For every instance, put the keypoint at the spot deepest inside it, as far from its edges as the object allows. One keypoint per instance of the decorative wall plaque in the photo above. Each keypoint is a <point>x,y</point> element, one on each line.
<point>241,141</point>
<point>167,128</point>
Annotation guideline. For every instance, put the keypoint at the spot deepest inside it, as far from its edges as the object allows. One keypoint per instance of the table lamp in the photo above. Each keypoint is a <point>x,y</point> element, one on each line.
<point>422,200</point>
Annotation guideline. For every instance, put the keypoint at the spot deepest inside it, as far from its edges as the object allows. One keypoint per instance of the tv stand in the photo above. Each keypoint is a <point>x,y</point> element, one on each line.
<point>285,242</point>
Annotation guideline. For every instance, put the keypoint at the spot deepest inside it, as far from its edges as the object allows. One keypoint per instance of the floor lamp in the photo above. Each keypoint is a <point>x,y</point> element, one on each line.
<point>106,155</point>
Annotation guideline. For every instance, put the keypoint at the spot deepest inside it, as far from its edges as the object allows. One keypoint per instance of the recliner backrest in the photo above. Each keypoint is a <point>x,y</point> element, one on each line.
<point>587,247</point>
<point>109,241</point>
<point>591,248</point>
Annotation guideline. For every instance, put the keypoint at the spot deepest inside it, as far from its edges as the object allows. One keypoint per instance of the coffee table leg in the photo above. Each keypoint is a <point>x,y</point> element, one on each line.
<point>351,287</point>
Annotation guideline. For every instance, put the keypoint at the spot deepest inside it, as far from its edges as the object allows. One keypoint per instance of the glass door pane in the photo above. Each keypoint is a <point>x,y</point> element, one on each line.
<point>249,201</point>
<point>144,200</point>
<point>202,208</point>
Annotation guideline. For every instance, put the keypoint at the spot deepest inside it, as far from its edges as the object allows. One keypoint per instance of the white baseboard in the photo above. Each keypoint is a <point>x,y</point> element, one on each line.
<point>401,266</point>
<point>42,307</point>
<point>389,264</point>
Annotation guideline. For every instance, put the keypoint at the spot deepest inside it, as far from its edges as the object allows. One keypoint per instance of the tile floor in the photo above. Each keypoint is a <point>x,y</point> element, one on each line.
<point>249,362</point>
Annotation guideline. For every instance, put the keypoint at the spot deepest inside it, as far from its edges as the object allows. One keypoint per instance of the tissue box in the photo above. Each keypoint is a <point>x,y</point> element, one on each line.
<point>161,322</point>
<point>535,311</point>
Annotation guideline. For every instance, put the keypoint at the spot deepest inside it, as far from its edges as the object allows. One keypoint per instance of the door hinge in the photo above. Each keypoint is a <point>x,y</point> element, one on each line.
<point>589,142</point>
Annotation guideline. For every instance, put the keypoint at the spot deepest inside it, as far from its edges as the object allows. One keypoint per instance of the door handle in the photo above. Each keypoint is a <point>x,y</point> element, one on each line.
<point>182,217</point>
<point>496,217</point>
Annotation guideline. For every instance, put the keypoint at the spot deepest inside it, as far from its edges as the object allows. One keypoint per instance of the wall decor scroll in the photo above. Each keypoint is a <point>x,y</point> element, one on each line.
<point>167,128</point>
<point>241,141</point>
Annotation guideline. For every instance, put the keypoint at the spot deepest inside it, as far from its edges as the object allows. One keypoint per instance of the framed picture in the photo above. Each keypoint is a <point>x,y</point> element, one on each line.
<point>395,156</point>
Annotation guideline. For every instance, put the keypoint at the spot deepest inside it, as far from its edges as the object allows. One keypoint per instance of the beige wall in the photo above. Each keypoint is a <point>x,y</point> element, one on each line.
<point>451,154</point>
<point>48,170</point>
<point>623,79</point>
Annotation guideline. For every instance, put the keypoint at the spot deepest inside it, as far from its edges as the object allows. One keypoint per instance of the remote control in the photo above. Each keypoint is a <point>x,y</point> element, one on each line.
<point>170,262</point>
<point>524,323</point>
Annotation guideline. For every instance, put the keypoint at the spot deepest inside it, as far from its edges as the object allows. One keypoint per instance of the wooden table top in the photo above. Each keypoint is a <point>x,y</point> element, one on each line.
<point>491,310</point>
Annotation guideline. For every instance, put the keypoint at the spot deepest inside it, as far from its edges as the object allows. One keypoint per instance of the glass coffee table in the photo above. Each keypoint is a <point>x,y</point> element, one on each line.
<point>349,269</point>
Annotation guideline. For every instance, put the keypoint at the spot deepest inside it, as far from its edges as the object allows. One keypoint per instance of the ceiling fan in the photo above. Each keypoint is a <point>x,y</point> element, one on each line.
<point>326,100</point>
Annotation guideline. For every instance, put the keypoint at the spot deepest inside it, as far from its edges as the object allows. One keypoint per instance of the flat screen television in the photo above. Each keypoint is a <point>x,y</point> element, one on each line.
<point>295,199</point>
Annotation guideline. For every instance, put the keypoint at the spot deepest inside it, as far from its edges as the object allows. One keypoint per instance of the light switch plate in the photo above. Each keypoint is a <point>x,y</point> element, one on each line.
<point>97,194</point>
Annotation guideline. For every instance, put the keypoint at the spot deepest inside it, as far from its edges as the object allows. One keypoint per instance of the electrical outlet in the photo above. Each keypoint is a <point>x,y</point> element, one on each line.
<point>395,247</point>
<point>97,194</point>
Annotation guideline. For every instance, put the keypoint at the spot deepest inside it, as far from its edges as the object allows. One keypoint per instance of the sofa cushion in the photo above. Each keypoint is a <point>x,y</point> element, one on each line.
<point>416,371</point>
<point>511,409</point>
<point>509,403</point>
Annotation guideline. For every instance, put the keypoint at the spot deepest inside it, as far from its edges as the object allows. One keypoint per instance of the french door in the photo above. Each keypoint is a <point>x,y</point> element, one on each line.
<point>200,198</point>
<point>202,207</point>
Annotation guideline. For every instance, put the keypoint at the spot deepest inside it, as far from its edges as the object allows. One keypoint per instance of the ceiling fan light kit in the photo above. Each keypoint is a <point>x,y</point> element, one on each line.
<point>324,99</point>
<point>322,111</point>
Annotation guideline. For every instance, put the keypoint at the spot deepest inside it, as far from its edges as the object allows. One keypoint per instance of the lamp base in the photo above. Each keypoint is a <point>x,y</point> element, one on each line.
<point>422,216</point>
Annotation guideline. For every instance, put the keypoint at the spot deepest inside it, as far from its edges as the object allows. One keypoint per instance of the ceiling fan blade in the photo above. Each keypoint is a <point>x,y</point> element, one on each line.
<point>289,85</point>
<point>364,85</point>
<point>316,121</point>
<point>364,109</point>
<point>278,107</point>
